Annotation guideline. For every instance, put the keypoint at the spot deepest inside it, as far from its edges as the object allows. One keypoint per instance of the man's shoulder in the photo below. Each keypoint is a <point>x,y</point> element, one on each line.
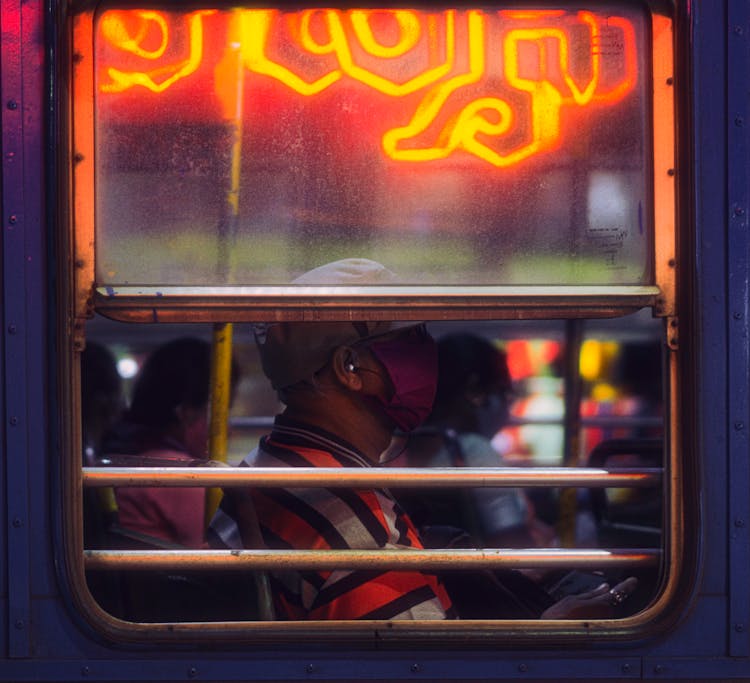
<point>478,451</point>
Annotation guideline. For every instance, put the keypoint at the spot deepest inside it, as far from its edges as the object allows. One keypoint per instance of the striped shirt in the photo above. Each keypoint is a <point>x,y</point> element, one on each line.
<point>325,519</point>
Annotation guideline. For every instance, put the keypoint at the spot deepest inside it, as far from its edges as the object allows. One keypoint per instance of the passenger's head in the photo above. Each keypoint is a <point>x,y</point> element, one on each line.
<point>101,392</point>
<point>171,393</point>
<point>474,385</point>
<point>294,354</point>
<point>639,370</point>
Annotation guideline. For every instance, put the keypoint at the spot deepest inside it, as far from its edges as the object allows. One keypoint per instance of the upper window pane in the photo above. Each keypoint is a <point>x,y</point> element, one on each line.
<point>457,146</point>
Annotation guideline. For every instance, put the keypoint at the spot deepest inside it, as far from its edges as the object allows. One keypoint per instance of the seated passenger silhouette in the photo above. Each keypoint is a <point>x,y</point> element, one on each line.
<point>166,425</point>
<point>102,402</point>
<point>471,406</point>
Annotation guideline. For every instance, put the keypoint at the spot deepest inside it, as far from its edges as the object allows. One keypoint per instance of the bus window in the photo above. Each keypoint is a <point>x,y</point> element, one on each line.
<point>500,171</point>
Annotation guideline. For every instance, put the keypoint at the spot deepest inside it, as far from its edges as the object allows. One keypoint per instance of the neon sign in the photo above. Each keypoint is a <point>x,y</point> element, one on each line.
<point>492,85</point>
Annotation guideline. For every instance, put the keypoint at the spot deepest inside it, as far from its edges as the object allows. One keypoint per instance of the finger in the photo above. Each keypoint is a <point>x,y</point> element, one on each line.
<point>601,589</point>
<point>627,586</point>
<point>622,590</point>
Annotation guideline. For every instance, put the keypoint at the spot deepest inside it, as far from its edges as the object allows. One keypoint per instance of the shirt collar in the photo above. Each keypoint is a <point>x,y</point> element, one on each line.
<point>293,432</point>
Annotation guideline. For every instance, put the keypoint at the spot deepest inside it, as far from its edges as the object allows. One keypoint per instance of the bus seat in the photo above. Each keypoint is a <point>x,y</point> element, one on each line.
<point>161,595</point>
<point>628,517</point>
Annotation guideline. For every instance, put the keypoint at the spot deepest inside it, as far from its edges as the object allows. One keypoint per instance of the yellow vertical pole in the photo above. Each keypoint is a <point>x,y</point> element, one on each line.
<point>221,378</point>
<point>566,525</point>
<point>229,84</point>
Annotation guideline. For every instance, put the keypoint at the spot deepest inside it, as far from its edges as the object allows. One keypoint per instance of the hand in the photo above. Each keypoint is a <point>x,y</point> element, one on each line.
<point>599,603</point>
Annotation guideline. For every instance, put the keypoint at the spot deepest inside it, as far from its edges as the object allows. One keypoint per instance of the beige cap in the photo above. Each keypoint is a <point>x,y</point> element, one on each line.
<point>294,351</point>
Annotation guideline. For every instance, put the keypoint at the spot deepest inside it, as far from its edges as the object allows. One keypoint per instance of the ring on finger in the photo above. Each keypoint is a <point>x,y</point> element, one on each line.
<point>617,597</point>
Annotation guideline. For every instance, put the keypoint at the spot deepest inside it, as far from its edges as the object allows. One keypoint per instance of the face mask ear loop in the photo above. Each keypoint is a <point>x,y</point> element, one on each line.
<point>392,452</point>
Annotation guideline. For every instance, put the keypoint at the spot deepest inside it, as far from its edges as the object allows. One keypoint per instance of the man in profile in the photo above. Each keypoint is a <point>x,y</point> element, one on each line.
<point>346,387</point>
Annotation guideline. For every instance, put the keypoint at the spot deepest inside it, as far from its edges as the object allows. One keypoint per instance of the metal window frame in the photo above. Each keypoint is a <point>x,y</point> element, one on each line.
<point>134,304</point>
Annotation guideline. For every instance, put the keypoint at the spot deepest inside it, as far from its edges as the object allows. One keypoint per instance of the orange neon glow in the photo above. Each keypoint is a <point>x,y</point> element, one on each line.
<point>338,45</point>
<point>117,34</point>
<point>490,85</point>
<point>409,31</point>
<point>630,76</point>
<point>116,31</point>
<point>530,15</point>
<point>433,103</point>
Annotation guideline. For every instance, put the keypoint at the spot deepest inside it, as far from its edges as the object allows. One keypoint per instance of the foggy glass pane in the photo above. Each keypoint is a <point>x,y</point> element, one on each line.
<point>487,147</point>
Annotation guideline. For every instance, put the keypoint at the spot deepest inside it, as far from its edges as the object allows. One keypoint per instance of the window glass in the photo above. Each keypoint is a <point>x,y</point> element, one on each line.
<point>501,401</point>
<point>490,147</point>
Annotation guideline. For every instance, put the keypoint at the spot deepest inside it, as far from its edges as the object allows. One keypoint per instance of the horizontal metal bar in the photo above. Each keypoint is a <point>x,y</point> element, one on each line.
<point>350,477</point>
<point>367,559</point>
<point>331,294</point>
<point>407,302</point>
<point>633,528</point>
<point>623,421</point>
<point>266,422</point>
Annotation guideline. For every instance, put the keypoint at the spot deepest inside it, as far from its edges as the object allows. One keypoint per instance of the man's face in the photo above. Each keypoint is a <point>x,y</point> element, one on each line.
<point>407,365</point>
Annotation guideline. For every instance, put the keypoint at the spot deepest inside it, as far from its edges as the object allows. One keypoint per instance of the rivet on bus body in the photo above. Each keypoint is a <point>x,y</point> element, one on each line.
<point>192,672</point>
<point>658,669</point>
<point>12,329</point>
<point>12,219</point>
<point>739,628</point>
<point>310,668</point>
<point>523,668</point>
<point>415,668</point>
<point>19,624</point>
<point>739,425</point>
<point>737,315</point>
<point>626,668</point>
<point>739,211</point>
<point>10,156</point>
<point>13,421</point>
<point>739,121</point>
<point>85,671</point>
<point>739,523</point>
<point>670,81</point>
<point>17,523</point>
<point>670,171</point>
<point>738,30</point>
<point>12,105</point>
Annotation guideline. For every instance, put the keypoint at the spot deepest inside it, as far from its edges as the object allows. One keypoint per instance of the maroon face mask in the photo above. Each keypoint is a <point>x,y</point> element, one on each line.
<point>411,363</point>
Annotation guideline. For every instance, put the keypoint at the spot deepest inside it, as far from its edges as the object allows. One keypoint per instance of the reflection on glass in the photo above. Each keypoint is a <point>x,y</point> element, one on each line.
<point>455,146</point>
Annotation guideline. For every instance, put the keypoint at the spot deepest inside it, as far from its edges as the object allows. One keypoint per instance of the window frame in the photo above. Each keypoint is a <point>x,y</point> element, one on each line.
<point>221,304</point>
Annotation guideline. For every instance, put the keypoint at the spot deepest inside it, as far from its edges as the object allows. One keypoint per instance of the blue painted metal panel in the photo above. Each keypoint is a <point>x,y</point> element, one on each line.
<point>15,330</point>
<point>372,667</point>
<point>707,47</point>
<point>738,415</point>
<point>38,339</point>
<point>691,637</point>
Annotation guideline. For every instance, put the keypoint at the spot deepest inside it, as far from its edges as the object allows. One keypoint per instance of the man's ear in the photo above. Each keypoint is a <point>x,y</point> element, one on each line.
<point>344,364</point>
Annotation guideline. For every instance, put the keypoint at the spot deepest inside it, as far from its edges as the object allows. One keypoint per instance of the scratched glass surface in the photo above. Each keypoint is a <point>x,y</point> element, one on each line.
<point>456,146</point>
